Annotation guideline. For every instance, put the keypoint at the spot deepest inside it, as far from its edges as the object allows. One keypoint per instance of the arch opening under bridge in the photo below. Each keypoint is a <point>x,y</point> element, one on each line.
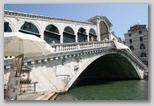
<point>112,66</point>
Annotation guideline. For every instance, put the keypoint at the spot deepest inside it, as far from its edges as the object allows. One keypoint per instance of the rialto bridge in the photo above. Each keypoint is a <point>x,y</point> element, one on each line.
<point>82,50</point>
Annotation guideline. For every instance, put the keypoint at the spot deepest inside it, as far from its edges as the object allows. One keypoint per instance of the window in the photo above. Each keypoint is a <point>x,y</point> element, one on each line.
<point>132,48</point>
<point>141,38</point>
<point>142,46</point>
<point>140,32</point>
<point>130,40</point>
<point>129,34</point>
<point>143,54</point>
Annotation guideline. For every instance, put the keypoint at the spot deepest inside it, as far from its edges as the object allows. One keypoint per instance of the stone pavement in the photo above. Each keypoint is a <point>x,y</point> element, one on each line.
<point>30,96</point>
<point>38,96</point>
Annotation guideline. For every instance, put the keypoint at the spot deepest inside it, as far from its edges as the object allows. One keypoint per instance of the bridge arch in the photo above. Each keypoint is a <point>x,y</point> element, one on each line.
<point>104,30</point>
<point>92,35</point>
<point>30,27</point>
<point>82,35</point>
<point>10,25</point>
<point>119,59</point>
<point>7,27</point>
<point>68,35</point>
<point>51,33</point>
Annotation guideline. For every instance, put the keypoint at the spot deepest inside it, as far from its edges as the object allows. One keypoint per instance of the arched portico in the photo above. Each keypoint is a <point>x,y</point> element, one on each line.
<point>82,35</point>
<point>104,31</point>
<point>30,28</point>
<point>8,26</point>
<point>68,35</point>
<point>92,35</point>
<point>51,34</point>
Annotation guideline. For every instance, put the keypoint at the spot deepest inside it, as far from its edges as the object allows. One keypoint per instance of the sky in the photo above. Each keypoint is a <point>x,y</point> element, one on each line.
<point>122,16</point>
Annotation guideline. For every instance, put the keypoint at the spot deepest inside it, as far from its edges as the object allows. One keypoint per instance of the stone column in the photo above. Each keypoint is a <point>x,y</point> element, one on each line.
<point>87,32</point>
<point>76,35</point>
<point>61,36</point>
<point>42,34</point>
<point>98,30</point>
<point>110,34</point>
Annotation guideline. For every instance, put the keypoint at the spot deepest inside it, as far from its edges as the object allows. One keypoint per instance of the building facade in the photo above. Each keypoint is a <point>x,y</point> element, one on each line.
<point>137,40</point>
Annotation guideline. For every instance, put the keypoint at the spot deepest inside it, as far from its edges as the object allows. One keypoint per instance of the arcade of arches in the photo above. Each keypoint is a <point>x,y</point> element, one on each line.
<point>51,33</point>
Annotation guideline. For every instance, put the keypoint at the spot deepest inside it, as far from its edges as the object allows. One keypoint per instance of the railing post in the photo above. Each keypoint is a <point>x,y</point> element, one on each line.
<point>34,87</point>
<point>93,44</point>
<point>57,47</point>
<point>78,46</point>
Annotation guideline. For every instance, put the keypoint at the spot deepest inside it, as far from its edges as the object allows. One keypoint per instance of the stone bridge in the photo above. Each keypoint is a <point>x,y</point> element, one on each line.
<point>72,61</point>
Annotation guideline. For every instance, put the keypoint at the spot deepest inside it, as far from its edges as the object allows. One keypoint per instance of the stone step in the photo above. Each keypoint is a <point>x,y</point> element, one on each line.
<point>46,96</point>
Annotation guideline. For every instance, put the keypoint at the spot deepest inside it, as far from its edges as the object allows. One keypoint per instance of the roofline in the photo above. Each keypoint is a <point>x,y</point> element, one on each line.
<point>9,12</point>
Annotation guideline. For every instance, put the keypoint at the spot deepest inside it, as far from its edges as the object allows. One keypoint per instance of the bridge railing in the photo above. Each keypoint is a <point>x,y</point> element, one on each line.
<point>79,46</point>
<point>137,59</point>
<point>64,47</point>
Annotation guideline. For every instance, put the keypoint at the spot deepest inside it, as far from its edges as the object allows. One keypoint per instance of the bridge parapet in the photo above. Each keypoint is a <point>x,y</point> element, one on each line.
<point>137,59</point>
<point>64,50</point>
<point>63,47</point>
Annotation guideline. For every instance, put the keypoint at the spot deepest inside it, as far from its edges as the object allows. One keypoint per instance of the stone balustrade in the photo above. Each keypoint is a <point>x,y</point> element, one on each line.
<point>63,47</point>
<point>132,55</point>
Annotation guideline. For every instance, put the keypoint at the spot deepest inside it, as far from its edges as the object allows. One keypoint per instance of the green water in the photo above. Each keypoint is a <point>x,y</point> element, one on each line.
<point>107,90</point>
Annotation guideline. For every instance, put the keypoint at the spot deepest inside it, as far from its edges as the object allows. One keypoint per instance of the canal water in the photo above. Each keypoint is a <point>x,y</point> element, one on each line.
<point>99,89</point>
